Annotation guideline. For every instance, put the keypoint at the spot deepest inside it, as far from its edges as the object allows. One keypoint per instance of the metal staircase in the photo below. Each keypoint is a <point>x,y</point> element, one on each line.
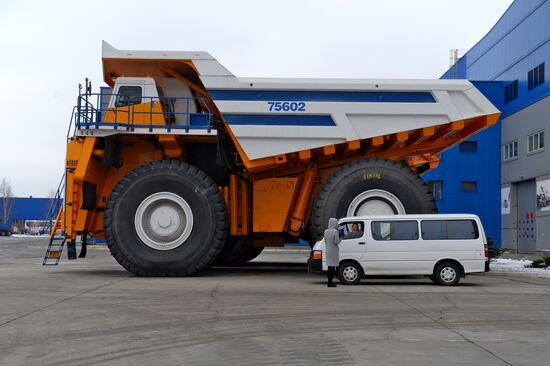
<point>57,233</point>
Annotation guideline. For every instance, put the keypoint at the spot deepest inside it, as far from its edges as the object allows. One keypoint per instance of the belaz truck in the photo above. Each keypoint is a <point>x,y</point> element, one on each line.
<point>184,165</point>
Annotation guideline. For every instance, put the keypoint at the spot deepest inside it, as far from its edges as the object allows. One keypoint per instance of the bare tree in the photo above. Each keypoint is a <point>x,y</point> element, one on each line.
<point>50,204</point>
<point>6,199</point>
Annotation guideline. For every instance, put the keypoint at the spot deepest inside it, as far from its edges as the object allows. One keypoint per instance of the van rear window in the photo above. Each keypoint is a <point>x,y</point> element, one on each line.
<point>394,230</point>
<point>449,229</point>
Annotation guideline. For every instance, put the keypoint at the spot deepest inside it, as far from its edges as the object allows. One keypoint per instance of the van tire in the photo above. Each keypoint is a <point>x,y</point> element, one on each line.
<point>358,177</point>
<point>200,231</point>
<point>447,274</point>
<point>349,273</point>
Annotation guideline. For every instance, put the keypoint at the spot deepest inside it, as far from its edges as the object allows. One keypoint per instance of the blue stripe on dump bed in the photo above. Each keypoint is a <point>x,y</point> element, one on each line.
<point>278,120</point>
<point>323,96</point>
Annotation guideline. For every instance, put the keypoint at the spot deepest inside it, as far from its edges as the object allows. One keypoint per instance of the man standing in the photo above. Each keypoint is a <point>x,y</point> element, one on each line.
<point>332,239</point>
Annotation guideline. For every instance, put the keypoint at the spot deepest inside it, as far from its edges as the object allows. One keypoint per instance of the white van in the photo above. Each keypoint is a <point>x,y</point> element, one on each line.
<point>442,247</point>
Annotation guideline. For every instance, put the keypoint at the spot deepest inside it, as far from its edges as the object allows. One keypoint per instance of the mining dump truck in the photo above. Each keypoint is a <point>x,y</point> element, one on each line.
<point>184,165</point>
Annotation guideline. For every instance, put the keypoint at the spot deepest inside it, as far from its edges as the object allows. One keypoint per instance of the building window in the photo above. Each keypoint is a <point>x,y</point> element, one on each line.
<point>535,77</point>
<point>535,142</point>
<point>510,151</point>
<point>468,186</point>
<point>468,147</point>
<point>510,91</point>
<point>436,187</point>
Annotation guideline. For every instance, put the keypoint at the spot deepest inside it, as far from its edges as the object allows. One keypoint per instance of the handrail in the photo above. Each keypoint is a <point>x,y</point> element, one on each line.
<point>89,114</point>
<point>73,112</point>
<point>57,202</point>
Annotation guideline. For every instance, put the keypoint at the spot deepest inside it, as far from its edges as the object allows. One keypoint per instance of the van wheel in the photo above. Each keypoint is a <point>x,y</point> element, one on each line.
<point>370,187</point>
<point>447,274</point>
<point>350,273</point>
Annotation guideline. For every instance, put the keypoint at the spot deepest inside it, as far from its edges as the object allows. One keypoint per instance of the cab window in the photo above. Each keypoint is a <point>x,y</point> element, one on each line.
<point>394,230</point>
<point>128,95</point>
<point>352,229</point>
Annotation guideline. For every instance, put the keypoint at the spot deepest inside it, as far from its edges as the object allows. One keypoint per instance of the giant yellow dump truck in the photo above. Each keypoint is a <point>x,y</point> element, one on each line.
<point>184,165</point>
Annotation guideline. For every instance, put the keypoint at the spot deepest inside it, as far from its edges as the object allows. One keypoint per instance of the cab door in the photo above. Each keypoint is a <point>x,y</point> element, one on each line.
<point>354,240</point>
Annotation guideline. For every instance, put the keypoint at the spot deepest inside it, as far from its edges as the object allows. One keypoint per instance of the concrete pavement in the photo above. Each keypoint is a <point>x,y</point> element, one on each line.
<point>271,312</point>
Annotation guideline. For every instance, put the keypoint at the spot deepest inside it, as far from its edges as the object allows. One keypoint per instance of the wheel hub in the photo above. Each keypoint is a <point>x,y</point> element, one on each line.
<point>164,221</point>
<point>375,202</point>
<point>448,274</point>
<point>350,274</point>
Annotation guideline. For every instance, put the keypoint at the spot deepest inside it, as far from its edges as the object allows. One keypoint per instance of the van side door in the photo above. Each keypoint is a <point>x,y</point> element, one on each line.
<point>354,240</point>
<point>392,247</point>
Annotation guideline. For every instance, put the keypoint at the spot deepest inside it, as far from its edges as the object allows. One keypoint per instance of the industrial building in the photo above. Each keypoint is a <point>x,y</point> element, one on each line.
<point>506,165</point>
<point>27,209</point>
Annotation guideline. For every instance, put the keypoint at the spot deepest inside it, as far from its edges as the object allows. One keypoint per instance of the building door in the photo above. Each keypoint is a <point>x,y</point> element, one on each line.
<point>527,200</point>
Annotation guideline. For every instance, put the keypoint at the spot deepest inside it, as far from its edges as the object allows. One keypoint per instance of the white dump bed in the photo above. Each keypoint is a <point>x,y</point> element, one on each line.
<point>269,117</point>
<point>336,111</point>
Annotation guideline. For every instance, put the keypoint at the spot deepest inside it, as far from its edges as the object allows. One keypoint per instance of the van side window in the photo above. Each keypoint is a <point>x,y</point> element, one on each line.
<point>394,230</point>
<point>352,230</point>
<point>128,95</point>
<point>449,229</point>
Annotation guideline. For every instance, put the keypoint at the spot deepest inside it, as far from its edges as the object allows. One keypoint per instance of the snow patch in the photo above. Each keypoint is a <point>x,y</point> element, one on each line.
<point>29,236</point>
<point>518,266</point>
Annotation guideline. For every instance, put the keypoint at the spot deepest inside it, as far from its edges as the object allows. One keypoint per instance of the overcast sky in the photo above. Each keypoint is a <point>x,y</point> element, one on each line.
<point>48,47</point>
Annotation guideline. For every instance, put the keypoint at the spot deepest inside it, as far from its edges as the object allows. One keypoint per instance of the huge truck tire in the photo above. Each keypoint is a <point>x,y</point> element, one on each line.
<point>165,218</point>
<point>237,251</point>
<point>370,187</point>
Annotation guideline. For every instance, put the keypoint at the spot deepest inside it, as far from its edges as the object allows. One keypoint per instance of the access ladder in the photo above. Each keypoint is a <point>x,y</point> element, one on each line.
<point>57,241</point>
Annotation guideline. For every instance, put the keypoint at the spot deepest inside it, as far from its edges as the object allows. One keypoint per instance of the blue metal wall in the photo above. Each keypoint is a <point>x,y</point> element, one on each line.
<point>517,43</point>
<point>482,167</point>
<point>29,209</point>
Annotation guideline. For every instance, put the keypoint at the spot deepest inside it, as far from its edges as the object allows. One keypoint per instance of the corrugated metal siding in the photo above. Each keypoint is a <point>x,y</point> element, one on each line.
<point>482,167</point>
<point>517,43</point>
<point>29,208</point>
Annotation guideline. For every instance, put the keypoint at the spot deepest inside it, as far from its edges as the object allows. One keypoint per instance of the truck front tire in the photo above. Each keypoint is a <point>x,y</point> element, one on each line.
<point>165,218</point>
<point>370,187</point>
<point>237,251</point>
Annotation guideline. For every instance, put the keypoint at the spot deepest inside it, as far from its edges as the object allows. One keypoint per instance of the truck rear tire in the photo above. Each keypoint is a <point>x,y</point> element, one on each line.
<point>165,218</point>
<point>370,187</point>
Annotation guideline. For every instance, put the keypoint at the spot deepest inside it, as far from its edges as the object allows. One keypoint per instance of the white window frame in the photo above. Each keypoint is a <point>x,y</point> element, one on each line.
<point>510,147</point>
<point>533,148</point>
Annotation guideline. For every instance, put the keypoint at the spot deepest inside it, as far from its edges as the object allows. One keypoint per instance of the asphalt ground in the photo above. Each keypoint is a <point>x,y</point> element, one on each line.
<point>270,312</point>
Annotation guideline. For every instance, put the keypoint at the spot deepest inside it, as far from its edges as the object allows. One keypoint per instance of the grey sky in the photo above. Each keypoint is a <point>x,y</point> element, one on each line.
<point>48,47</point>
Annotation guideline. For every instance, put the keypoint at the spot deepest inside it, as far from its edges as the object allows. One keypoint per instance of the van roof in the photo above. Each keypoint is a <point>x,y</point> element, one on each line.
<point>414,217</point>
